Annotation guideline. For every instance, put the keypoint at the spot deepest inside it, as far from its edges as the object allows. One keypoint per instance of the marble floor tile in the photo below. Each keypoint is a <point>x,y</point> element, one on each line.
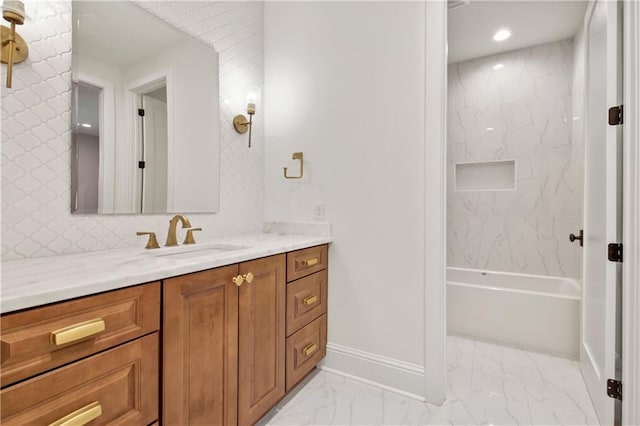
<point>329,399</point>
<point>497,361</point>
<point>487,385</point>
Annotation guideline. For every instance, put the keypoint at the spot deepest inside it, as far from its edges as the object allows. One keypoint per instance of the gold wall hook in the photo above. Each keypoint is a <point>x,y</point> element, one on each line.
<point>296,156</point>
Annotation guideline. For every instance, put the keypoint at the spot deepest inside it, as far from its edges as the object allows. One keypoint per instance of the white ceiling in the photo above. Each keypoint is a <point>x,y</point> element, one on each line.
<point>119,33</point>
<point>471,27</point>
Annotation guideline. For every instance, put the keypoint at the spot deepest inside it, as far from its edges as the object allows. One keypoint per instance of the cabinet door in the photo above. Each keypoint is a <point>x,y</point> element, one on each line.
<point>200,347</point>
<point>261,338</point>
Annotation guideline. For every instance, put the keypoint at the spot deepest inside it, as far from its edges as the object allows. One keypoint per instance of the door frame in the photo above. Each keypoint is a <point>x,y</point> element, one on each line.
<point>435,187</point>
<point>631,216</point>
<point>435,144</point>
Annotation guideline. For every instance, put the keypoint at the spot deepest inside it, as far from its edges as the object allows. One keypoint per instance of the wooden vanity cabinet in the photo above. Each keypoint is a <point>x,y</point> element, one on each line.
<point>93,359</point>
<point>232,341</point>
<point>224,345</point>
<point>261,338</point>
<point>200,348</point>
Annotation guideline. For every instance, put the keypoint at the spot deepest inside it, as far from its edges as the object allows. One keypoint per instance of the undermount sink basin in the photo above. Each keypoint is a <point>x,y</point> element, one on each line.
<point>196,250</point>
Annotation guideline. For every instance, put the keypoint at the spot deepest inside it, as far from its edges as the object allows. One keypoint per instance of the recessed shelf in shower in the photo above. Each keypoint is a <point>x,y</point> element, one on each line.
<point>497,175</point>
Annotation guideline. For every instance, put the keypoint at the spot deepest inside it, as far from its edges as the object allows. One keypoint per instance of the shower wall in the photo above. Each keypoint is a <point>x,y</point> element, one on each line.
<point>516,106</point>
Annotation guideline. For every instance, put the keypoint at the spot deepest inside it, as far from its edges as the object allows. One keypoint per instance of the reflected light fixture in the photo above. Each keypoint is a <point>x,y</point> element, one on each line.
<point>240,122</point>
<point>14,48</point>
<point>502,35</point>
<point>498,66</point>
<point>86,125</point>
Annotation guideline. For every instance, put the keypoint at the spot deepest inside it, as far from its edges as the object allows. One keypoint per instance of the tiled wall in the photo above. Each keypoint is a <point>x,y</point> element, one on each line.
<point>36,138</point>
<point>522,111</point>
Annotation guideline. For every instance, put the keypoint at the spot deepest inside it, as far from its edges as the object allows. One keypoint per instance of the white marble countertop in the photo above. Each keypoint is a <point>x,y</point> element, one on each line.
<point>33,282</point>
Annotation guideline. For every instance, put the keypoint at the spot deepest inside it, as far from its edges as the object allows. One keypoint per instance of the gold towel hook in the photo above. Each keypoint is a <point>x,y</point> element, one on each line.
<point>296,156</point>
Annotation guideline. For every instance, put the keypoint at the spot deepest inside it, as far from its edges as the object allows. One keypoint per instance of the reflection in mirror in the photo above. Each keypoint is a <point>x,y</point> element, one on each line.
<point>145,115</point>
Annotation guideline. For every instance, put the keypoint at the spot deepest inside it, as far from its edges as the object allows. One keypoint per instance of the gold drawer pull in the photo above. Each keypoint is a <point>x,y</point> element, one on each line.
<point>238,280</point>
<point>309,300</point>
<point>77,331</point>
<point>80,417</point>
<point>248,277</point>
<point>310,262</point>
<point>310,349</point>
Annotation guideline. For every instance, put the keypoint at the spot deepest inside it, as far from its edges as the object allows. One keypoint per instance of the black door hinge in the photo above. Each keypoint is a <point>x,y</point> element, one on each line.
<point>141,164</point>
<point>615,115</point>
<point>614,252</point>
<point>614,389</point>
<point>141,112</point>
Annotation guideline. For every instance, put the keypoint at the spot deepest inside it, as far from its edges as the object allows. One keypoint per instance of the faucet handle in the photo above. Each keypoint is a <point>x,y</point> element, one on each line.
<point>188,239</point>
<point>152,243</point>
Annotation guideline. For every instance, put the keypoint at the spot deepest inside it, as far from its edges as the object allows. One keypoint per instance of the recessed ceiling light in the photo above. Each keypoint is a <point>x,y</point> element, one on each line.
<point>498,66</point>
<point>489,129</point>
<point>501,35</point>
<point>86,125</point>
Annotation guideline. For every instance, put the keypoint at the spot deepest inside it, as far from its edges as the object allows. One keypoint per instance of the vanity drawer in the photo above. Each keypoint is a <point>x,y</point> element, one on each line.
<point>119,386</point>
<point>305,349</point>
<point>304,262</point>
<point>40,339</point>
<point>306,300</point>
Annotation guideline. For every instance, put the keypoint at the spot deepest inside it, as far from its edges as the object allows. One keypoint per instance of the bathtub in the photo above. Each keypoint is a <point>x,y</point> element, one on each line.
<point>531,312</point>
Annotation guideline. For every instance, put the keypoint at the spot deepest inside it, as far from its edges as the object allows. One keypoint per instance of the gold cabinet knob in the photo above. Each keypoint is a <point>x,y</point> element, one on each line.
<point>238,280</point>
<point>248,277</point>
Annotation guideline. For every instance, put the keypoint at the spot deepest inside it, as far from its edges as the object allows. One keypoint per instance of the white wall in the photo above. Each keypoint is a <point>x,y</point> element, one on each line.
<point>522,111</point>
<point>36,136</point>
<point>345,84</point>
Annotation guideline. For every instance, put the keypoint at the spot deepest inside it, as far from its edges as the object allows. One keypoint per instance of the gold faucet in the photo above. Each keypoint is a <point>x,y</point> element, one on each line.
<point>172,239</point>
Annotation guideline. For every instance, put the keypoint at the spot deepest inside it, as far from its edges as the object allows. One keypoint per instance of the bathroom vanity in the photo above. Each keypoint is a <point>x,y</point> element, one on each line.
<point>215,339</point>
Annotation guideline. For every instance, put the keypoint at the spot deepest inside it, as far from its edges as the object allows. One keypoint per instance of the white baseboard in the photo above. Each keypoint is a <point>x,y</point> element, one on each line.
<point>387,373</point>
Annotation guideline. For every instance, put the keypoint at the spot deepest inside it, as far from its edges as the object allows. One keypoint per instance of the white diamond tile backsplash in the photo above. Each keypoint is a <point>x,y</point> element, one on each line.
<point>36,137</point>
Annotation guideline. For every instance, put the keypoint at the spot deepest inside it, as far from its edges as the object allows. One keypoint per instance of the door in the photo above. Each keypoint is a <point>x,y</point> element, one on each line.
<point>261,319</point>
<point>200,348</point>
<point>155,148</point>
<point>603,169</point>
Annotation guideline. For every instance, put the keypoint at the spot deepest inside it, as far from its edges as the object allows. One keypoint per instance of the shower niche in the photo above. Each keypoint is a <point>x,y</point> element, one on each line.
<point>485,176</point>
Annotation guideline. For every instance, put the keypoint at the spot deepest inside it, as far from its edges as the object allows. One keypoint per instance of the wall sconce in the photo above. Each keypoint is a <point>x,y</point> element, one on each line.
<point>240,122</point>
<point>14,48</point>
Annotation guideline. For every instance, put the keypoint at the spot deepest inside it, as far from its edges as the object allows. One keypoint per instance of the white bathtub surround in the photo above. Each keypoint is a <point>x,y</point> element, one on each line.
<point>36,137</point>
<point>522,111</point>
<point>531,312</point>
<point>33,282</point>
<point>487,384</point>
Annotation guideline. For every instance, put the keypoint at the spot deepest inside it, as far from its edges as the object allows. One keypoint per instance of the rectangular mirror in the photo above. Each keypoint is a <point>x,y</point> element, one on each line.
<point>145,114</point>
